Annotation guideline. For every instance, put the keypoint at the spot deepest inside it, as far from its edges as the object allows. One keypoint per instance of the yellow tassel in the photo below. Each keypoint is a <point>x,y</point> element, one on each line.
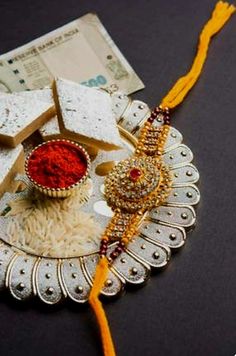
<point>99,280</point>
<point>220,16</point>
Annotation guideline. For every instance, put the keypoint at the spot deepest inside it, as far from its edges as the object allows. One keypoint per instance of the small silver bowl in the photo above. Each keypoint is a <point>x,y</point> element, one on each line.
<point>59,192</point>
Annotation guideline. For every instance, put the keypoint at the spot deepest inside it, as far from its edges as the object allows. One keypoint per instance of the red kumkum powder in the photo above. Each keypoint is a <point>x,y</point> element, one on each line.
<point>57,164</point>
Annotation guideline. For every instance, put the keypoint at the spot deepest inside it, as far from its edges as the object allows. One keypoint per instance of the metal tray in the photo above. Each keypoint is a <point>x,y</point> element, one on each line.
<point>162,230</point>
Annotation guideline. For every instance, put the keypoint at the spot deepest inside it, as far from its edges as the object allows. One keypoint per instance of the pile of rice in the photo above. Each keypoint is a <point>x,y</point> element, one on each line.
<point>53,227</point>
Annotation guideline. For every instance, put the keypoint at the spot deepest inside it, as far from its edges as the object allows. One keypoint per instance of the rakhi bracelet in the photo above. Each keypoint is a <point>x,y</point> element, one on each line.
<point>146,184</point>
<point>142,182</point>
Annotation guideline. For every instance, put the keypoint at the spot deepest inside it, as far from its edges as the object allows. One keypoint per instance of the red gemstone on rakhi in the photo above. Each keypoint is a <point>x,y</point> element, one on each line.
<point>135,174</point>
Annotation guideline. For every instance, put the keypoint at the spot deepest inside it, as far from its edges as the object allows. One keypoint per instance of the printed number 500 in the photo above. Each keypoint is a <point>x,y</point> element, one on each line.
<point>95,82</point>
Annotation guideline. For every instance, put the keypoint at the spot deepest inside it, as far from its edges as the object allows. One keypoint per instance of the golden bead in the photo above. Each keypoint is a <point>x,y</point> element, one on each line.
<point>125,240</point>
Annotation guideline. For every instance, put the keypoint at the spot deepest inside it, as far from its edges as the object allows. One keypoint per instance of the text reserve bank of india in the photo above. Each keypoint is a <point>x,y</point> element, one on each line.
<point>81,51</point>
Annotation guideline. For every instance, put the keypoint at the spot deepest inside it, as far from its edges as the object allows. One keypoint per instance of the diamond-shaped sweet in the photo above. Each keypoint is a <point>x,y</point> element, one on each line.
<point>11,162</point>
<point>85,115</point>
<point>20,116</point>
<point>50,130</point>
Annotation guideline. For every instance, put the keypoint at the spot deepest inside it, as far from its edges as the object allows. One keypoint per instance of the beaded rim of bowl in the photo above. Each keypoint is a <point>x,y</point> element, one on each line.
<point>64,190</point>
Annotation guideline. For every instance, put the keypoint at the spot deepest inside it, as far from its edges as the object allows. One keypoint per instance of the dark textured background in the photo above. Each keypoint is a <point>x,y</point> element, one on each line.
<point>190,308</point>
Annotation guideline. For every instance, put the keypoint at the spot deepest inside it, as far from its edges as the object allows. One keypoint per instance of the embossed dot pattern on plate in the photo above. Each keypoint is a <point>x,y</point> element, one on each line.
<point>21,277</point>
<point>171,236</point>
<point>47,282</point>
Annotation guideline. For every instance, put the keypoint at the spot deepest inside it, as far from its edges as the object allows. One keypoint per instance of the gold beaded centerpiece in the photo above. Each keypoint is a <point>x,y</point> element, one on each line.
<point>138,183</point>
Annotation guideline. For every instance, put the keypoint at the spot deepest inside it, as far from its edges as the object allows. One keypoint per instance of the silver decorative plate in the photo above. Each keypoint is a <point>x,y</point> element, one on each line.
<point>163,229</point>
